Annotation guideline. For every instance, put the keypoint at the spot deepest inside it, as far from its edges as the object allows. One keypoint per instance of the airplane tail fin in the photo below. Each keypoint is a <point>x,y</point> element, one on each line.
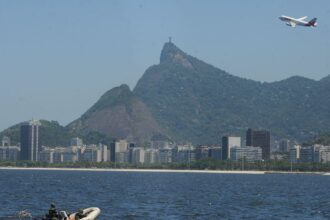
<point>312,22</point>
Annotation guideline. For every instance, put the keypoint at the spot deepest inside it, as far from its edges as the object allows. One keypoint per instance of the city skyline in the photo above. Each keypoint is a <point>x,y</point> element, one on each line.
<point>257,149</point>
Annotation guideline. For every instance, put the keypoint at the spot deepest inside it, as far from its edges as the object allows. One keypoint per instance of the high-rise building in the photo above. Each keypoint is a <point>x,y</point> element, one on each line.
<point>294,153</point>
<point>151,156</point>
<point>5,141</point>
<point>215,153</point>
<point>9,153</point>
<point>118,151</point>
<point>47,156</point>
<point>138,155</point>
<point>249,154</point>
<point>324,154</point>
<point>76,142</point>
<point>284,146</point>
<point>307,154</point>
<point>30,140</point>
<point>202,152</point>
<point>166,155</point>
<point>104,152</point>
<point>89,154</point>
<point>183,154</point>
<point>227,143</point>
<point>259,138</point>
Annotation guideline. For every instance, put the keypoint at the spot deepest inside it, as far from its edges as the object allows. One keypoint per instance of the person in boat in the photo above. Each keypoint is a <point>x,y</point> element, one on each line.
<point>52,213</point>
<point>80,214</point>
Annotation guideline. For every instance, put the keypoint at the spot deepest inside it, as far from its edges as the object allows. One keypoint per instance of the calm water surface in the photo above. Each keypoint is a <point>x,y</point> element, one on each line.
<point>130,195</point>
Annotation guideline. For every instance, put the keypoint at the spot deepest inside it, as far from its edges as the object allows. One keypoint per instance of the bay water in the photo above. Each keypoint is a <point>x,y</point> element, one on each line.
<point>152,195</point>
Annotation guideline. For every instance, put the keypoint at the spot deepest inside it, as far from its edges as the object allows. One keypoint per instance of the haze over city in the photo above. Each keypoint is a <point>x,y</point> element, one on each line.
<point>58,58</point>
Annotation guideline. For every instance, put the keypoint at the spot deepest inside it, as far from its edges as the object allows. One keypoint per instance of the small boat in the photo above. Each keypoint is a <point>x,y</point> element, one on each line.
<point>90,214</point>
<point>83,214</point>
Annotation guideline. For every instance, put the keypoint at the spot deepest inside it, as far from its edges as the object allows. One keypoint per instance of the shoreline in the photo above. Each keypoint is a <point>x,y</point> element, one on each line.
<point>254,172</point>
<point>134,170</point>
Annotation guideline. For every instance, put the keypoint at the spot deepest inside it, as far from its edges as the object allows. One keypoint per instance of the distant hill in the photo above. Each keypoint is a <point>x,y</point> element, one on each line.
<point>119,114</point>
<point>195,101</point>
<point>51,133</point>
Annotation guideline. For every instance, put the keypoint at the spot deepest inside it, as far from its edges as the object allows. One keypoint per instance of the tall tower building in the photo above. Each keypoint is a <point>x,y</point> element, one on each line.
<point>227,143</point>
<point>118,149</point>
<point>259,138</point>
<point>30,140</point>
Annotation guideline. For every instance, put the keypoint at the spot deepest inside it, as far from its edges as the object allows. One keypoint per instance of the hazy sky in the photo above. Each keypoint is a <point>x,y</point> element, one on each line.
<point>58,57</point>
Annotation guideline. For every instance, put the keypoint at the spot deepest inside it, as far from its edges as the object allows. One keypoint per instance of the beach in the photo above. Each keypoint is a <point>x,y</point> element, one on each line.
<point>254,172</point>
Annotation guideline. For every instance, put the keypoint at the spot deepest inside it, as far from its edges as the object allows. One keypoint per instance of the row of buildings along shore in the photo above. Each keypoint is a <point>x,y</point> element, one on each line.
<point>257,148</point>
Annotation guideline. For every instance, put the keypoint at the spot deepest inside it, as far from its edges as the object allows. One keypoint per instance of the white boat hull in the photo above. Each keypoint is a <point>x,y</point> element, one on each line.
<point>91,214</point>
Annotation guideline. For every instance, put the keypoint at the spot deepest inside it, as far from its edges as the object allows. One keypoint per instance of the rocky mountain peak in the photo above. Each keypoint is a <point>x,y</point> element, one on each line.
<point>120,94</point>
<point>119,114</point>
<point>172,54</point>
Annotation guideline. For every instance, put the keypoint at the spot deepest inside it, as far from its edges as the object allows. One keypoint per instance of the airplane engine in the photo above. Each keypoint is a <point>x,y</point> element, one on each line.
<point>288,23</point>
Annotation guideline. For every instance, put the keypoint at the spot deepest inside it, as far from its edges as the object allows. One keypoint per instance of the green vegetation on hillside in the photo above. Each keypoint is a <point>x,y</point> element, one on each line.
<point>194,101</point>
<point>323,139</point>
<point>121,94</point>
<point>52,134</point>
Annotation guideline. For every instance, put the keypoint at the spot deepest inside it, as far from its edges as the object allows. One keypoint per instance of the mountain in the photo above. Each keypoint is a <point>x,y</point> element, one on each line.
<point>195,101</point>
<point>187,100</point>
<point>118,114</point>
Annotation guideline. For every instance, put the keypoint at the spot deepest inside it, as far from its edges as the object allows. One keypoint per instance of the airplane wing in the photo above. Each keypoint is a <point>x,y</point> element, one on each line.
<point>302,18</point>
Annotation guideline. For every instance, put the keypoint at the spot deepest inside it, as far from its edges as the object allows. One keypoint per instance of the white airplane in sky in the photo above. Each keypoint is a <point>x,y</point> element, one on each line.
<point>293,22</point>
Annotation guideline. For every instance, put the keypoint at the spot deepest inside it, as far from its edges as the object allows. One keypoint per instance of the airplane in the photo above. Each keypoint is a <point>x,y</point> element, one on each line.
<point>293,22</point>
